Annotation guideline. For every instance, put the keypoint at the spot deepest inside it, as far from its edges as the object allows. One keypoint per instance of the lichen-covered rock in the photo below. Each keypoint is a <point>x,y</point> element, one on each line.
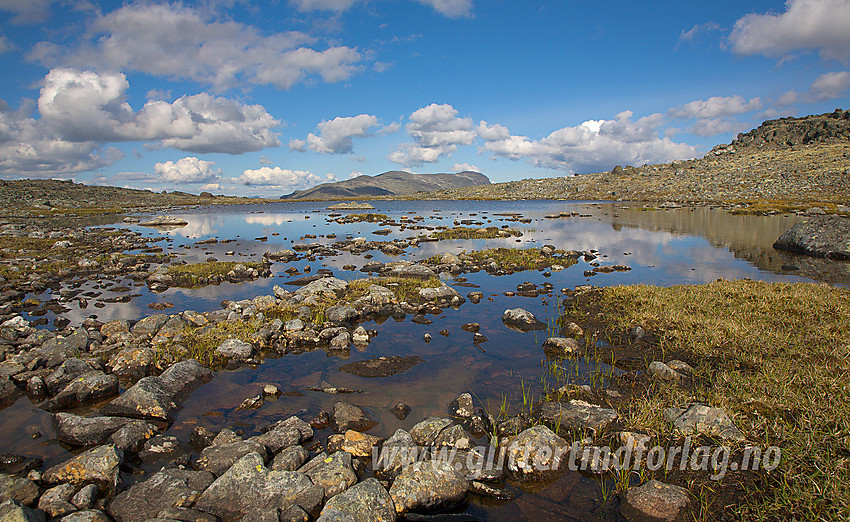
<point>18,489</point>
<point>236,349</point>
<point>428,486</point>
<point>367,500</point>
<point>164,489</point>
<point>537,452</point>
<point>290,459</point>
<point>248,485</point>
<point>425,433</point>
<point>333,473</point>
<point>147,399</point>
<point>819,237</point>
<point>219,458</point>
<point>90,387</point>
<point>85,431</point>
<point>96,466</point>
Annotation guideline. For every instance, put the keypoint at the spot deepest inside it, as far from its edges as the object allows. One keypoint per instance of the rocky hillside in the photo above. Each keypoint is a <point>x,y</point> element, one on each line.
<point>793,161</point>
<point>50,197</point>
<point>393,183</point>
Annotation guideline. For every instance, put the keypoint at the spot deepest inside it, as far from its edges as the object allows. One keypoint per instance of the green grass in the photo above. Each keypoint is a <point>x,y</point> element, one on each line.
<point>198,274</point>
<point>200,343</point>
<point>521,259</point>
<point>368,218</point>
<point>474,233</point>
<point>775,356</point>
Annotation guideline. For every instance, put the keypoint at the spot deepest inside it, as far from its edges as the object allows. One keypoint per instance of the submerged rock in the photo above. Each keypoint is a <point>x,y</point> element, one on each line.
<point>382,366</point>
<point>347,416</point>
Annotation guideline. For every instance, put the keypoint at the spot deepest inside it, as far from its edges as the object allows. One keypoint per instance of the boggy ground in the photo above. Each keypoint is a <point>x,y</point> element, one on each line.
<point>773,355</point>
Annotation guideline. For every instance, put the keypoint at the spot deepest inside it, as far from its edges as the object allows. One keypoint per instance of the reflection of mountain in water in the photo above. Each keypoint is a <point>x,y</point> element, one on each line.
<point>748,237</point>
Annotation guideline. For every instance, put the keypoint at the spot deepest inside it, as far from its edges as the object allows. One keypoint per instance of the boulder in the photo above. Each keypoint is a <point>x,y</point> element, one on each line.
<point>18,489</point>
<point>827,237</point>
<point>340,314</point>
<point>184,376</point>
<point>12,511</point>
<point>428,486</point>
<point>147,399</point>
<point>425,433</point>
<point>537,453</point>
<point>132,436</point>
<point>87,515</point>
<point>236,349</point>
<point>85,431</point>
<point>248,485</point>
<point>359,444</point>
<point>654,501</point>
<point>149,325</point>
<point>65,374</point>
<point>398,451</point>
<point>96,466</point>
<point>56,501</point>
<point>521,320</point>
<point>367,500</point>
<point>659,370</point>
<point>164,489</point>
<point>333,473</point>
<point>290,459</point>
<point>90,387</point>
<point>217,459</point>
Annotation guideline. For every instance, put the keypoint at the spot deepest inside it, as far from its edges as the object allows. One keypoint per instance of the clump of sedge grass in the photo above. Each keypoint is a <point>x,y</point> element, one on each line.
<point>198,274</point>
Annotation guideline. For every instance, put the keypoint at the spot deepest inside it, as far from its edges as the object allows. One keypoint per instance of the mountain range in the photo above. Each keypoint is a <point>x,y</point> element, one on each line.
<point>392,183</point>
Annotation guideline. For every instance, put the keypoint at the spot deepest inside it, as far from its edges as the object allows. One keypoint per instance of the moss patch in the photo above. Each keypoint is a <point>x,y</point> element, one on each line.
<point>199,274</point>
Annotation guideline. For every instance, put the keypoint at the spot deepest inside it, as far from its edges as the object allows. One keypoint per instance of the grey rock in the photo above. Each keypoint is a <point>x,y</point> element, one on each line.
<point>341,314</point>
<point>278,438</point>
<point>164,489</point>
<point>441,293</point>
<point>560,346</point>
<point>290,459</point>
<point>398,451</point>
<point>425,433</point>
<point>90,387</point>
<point>86,497</point>
<point>56,501</point>
<point>367,500</point>
<point>58,349</point>
<point>8,391</point>
<point>659,370</point>
<point>186,514</point>
<point>65,374</point>
<point>218,459</point>
<point>132,362</point>
<point>96,466</point>
<point>334,474</point>
<point>420,271</point>
<point>85,431</point>
<point>654,501</point>
<point>147,399</point>
<point>12,511</point>
<point>537,452</point>
<point>149,325</point>
<point>18,489</point>
<point>132,436</point>
<point>248,485</point>
<point>428,486</point>
<point>701,419</point>
<point>184,376</point>
<point>115,326</point>
<point>346,417</point>
<point>819,237</point>
<point>88,515</point>
<point>521,320</point>
<point>236,349</point>
<point>578,415</point>
<point>294,422</point>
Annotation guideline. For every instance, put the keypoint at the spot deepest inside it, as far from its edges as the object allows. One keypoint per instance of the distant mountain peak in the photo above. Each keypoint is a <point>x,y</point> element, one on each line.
<point>391,183</point>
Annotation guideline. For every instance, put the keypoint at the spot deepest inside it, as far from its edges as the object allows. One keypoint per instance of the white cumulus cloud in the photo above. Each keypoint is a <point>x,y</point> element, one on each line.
<point>187,170</point>
<point>437,131</point>
<point>176,41</point>
<point>280,179</point>
<point>322,5</point>
<point>805,25</point>
<point>830,85</point>
<point>89,106</point>
<point>335,136</point>
<point>465,167</point>
<point>595,145</point>
<point>716,107</point>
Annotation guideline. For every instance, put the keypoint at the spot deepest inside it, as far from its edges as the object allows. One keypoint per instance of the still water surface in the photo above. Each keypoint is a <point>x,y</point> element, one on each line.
<point>681,246</point>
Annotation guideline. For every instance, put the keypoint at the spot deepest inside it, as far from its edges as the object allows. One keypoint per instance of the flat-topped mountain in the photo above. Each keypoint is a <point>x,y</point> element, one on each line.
<point>393,183</point>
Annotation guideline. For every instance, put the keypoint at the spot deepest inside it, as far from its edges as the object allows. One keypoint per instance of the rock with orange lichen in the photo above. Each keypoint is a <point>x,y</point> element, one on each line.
<point>96,466</point>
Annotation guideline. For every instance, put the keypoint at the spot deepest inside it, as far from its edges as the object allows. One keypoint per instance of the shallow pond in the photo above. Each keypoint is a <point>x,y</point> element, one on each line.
<point>664,247</point>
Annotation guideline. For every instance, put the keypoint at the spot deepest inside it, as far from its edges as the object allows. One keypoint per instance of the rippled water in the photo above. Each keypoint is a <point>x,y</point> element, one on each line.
<point>662,247</point>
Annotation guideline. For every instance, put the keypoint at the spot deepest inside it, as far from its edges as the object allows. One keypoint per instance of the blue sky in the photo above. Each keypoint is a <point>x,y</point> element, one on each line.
<point>263,98</point>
